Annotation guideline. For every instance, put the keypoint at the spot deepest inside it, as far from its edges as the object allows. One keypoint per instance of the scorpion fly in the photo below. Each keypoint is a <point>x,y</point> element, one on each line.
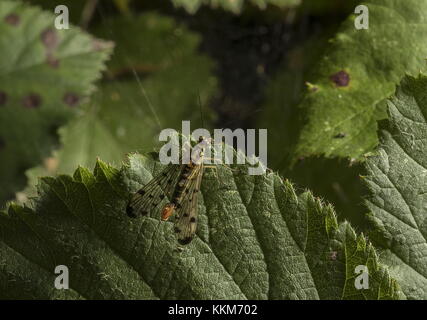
<point>180,183</point>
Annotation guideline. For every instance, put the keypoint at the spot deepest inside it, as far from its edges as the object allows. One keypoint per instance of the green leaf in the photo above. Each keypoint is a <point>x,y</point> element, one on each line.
<point>256,239</point>
<point>397,179</point>
<point>234,6</point>
<point>335,180</point>
<point>360,69</point>
<point>35,59</point>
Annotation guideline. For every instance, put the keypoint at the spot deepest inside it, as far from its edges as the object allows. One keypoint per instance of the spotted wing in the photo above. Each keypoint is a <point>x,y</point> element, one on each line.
<point>186,215</point>
<point>149,197</point>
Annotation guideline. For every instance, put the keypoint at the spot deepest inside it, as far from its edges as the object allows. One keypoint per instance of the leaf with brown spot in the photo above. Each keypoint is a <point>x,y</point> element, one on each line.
<point>12,19</point>
<point>32,100</point>
<point>71,99</point>
<point>341,78</point>
<point>49,38</point>
<point>359,69</point>
<point>31,78</point>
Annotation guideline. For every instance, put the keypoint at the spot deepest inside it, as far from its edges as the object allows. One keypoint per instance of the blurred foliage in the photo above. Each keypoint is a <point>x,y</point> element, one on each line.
<point>35,58</point>
<point>234,6</point>
<point>131,107</point>
<point>327,7</point>
<point>149,44</point>
<point>123,6</point>
<point>75,7</point>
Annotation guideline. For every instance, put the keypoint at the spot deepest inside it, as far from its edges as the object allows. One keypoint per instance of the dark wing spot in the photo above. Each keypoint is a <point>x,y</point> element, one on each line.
<point>185,214</point>
<point>12,19</point>
<point>71,99</point>
<point>130,212</point>
<point>176,230</point>
<point>141,192</point>
<point>162,196</point>
<point>3,98</point>
<point>186,240</point>
<point>341,78</point>
<point>169,180</point>
<point>150,196</point>
<point>164,174</point>
<point>178,205</point>
<point>32,101</point>
<point>193,220</point>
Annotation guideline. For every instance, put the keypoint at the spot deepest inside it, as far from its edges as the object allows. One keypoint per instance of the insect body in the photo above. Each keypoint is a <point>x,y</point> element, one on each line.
<point>180,183</point>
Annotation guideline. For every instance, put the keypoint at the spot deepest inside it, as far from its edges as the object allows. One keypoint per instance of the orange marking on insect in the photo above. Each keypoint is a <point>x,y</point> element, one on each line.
<point>167,211</point>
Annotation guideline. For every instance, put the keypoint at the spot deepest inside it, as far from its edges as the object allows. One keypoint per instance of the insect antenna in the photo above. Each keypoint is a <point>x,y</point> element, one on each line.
<point>200,108</point>
<point>146,97</point>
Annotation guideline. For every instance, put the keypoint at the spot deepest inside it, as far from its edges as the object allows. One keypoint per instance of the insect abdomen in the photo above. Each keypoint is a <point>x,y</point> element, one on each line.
<point>181,185</point>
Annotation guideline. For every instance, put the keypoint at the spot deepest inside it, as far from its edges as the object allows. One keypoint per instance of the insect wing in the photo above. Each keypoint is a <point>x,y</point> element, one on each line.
<point>186,215</point>
<point>149,197</point>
